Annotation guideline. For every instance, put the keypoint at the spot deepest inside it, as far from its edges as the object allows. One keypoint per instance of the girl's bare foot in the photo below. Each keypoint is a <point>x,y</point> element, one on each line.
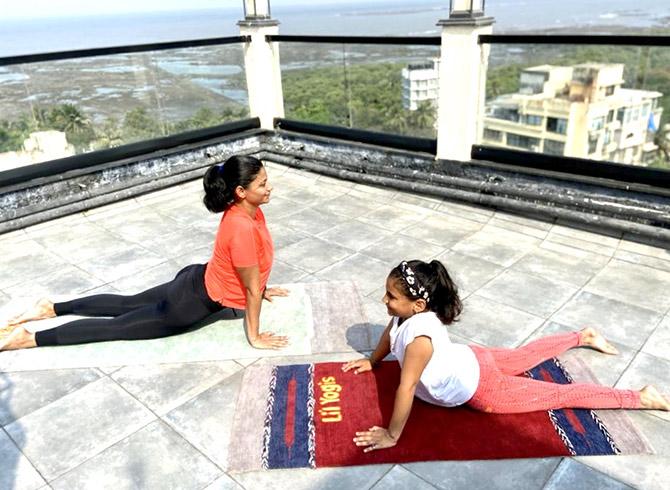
<point>651,399</point>
<point>20,338</point>
<point>590,337</point>
<point>44,308</point>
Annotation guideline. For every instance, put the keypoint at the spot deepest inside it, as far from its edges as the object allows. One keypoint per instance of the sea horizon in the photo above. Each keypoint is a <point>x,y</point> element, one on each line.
<point>399,18</point>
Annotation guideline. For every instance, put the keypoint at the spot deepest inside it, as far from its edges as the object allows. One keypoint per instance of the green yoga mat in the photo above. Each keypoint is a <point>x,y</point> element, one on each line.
<point>216,339</point>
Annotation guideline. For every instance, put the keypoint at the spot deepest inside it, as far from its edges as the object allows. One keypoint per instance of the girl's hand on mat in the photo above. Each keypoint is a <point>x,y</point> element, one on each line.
<point>375,438</point>
<point>269,293</point>
<point>359,366</point>
<point>268,340</point>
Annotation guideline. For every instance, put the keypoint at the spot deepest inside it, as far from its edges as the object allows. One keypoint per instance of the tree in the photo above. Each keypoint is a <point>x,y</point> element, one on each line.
<point>139,125</point>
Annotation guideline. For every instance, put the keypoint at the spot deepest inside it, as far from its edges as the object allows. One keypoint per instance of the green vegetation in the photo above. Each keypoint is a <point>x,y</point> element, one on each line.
<point>365,96</point>
<point>138,124</point>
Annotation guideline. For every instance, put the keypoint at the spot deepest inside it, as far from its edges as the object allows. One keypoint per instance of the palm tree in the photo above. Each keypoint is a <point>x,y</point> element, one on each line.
<point>68,118</point>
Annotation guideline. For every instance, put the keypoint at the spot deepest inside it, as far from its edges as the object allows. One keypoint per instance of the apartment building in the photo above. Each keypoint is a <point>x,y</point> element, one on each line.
<point>420,82</point>
<point>580,111</point>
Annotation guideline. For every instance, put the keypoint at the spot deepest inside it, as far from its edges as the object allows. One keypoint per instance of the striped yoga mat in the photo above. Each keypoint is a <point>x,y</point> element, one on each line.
<point>305,416</point>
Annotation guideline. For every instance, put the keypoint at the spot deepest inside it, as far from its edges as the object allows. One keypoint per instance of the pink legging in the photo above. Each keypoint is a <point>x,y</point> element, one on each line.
<point>501,390</point>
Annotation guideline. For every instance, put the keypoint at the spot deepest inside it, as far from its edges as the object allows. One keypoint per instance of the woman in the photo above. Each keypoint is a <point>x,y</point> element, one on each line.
<point>234,278</point>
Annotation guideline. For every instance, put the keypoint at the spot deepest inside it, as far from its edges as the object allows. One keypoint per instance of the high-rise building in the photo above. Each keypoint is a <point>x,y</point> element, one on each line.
<point>579,111</point>
<point>420,82</point>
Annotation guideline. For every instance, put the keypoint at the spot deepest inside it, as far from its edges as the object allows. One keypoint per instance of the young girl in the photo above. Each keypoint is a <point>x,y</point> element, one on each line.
<point>235,277</point>
<point>422,299</point>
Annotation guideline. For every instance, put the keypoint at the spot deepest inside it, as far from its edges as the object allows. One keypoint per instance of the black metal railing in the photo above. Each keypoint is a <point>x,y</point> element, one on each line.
<point>134,48</point>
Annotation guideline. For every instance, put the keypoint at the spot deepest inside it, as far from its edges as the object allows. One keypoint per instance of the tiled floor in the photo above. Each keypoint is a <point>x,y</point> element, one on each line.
<point>167,426</point>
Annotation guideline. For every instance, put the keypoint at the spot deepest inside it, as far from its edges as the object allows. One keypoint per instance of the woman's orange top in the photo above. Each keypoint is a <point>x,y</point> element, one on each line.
<point>241,241</point>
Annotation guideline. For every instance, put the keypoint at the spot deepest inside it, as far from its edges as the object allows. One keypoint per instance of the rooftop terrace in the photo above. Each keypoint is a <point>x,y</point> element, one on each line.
<point>168,425</point>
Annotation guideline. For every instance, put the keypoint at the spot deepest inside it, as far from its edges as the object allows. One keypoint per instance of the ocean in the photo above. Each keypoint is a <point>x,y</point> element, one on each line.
<point>398,18</point>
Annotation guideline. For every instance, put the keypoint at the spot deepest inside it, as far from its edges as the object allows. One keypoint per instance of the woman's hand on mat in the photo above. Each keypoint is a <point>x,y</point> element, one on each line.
<point>269,293</point>
<point>374,438</point>
<point>268,340</point>
<point>359,366</point>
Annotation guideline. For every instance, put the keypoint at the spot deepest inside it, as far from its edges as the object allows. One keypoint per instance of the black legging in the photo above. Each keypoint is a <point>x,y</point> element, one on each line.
<point>165,310</point>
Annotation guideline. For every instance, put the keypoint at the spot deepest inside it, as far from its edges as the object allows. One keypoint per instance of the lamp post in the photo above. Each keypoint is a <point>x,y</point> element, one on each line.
<point>463,65</point>
<point>261,61</point>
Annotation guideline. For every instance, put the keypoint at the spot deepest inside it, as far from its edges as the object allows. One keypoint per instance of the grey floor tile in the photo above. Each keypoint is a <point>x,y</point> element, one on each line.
<point>356,235</point>
<point>635,284</point>
<point>362,477</point>
<point>25,262</point>
<point>140,226</point>
<point>399,478</point>
<point>129,260</point>
<point>76,427</point>
<point>164,387</point>
<point>283,273</point>
<point>312,254</point>
<point>418,200</point>
<point>442,230</point>
<point>196,256</point>
<point>473,213</point>
<point>206,420</point>
<point>21,393</point>
<point>607,368</point>
<point>639,259</point>
<point>654,429</point>
<point>575,269</point>
<point>394,218</point>
<point>149,278</point>
<point>80,242</point>
<point>180,242</point>
<point>620,322</point>
<point>350,269</point>
<point>587,234</point>
<point>528,292</point>
<point>493,324</point>
<point>279,208</point>
<point>640,472</point>
<point>646,369</point>
<point>502,247</point>
<point>512,474</point>
<point>585,245</point>
<point>16,472</point>
<point>313,220</point>
<point>153,457</point>
<point>523,228</point>
<point>469,273</point>
<point>184,212</point>
<point>314,193</point>
<point>658,344</point>
<point>67,279</point>
<point>659,250</point>
<point>349,206</point>
<point>283,236</point>
<point>224,482</point>
<point>395,248</point>
<point>574,475</point>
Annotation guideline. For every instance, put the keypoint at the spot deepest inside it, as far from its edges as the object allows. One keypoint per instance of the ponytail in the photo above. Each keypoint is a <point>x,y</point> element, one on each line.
<point>220,181</point>
<point>433,281</point>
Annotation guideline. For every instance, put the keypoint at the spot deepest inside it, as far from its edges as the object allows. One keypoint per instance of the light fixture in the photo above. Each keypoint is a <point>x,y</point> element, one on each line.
<point>256,9</point>
<point>466,9</point>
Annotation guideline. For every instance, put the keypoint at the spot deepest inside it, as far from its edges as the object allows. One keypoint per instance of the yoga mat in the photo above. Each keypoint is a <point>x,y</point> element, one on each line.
<point>305,415</point>
<point>221,339</point>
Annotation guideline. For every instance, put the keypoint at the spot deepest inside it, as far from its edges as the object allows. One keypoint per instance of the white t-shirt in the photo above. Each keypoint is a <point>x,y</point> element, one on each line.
<point>452,374</point>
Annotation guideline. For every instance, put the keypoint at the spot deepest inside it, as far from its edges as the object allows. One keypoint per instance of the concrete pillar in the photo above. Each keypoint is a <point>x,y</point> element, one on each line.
<point>261,60</point>
<point>463,64</point>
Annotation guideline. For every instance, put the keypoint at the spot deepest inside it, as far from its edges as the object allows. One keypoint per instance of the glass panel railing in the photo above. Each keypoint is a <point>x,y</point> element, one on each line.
<point>55,109</point>
<point>383,88</point>
<point>603,103</point>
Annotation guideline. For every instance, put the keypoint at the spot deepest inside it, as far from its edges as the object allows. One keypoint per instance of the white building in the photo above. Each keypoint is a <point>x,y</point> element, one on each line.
<point>420,82</point>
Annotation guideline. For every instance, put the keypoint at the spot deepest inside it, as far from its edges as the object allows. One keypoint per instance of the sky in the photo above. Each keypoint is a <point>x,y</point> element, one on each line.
<point>68,8</point>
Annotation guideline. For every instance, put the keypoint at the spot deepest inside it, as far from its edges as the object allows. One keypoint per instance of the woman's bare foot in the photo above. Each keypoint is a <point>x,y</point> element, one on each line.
<point>590,337</point>
<point>44,308</point>
<point>20,338</point>
<point>651,399</point>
